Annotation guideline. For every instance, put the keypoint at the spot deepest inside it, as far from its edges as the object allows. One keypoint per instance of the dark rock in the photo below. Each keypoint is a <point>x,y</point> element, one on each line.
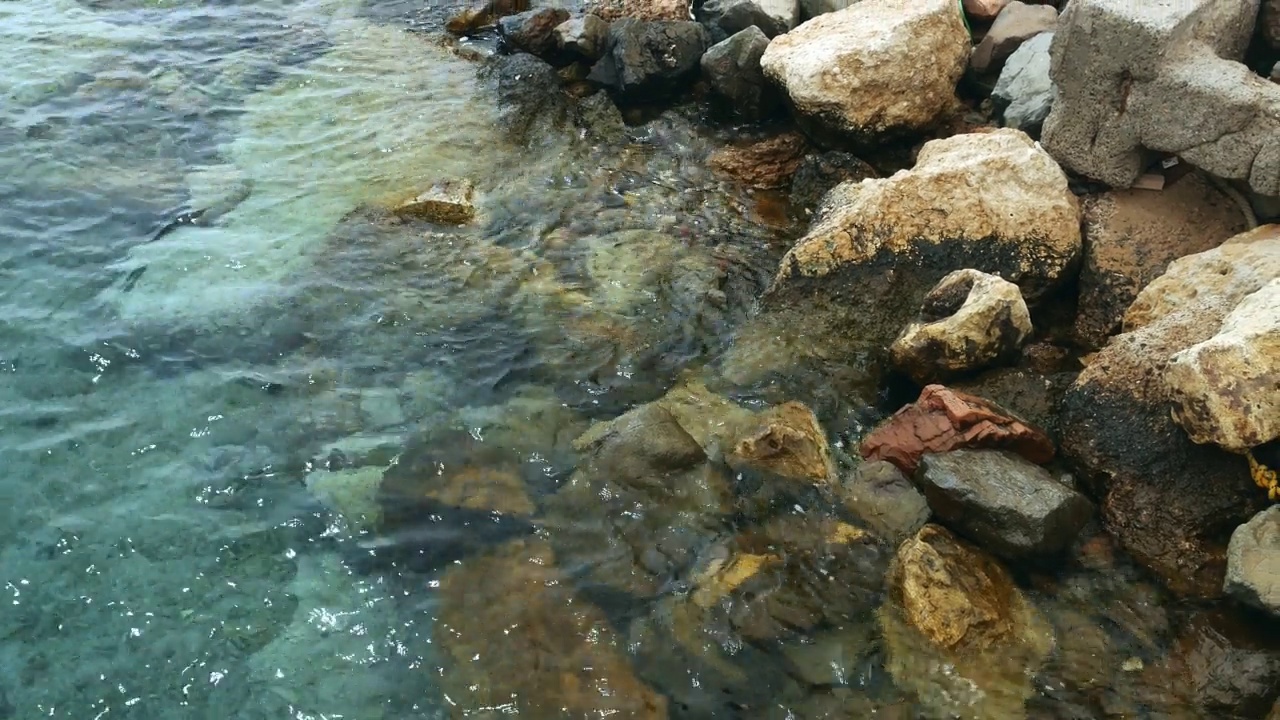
<point>647,61</point>
<point>1024,94</point>
<point>942,420</point>
<point>1231,664</point>
<point>1269,24</point>
<point>819,172</point>
<point>1025,393</point>
<point>533,31</point>
<point>732,67</point>
<point>884,498</point>
<point>1016,24</point>
<point>1253,561</point>
<point>531,104</point>
<point>584,36</point>
<point>1002,502</point>
<point>600,118</point>
<point>482,16</point>
<point>725,18</point>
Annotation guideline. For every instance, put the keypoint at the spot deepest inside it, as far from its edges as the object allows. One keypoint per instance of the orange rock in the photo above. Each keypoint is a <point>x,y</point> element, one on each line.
<point>942,420</point>
<point>765,164</point>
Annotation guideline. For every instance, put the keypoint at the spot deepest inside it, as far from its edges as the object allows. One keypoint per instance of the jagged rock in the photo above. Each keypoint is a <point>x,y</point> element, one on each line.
<point>1023,96</point>
<point>1131,236</point>
<point>985,10</point>
<point>971,320</point>
<point>990,201</point>
<point>884,498</point>
<point>645,61</point>
<point>732,67</point>
<point>447,203</point>
<point>584,36</point>
<point>725,18</point>
<point>656,10</point>
<point>819,172</point>
<point>1016,24</point>
<point>533,31</point>
<point>531,104</point>
<point>957,607</point>
<point>876,67</point>
<point>787,441</point>
<point>1010,507</point>
<point>513,634</point>
<point>1164,77</point>
<point>1232,666</point>
<point>1171,503</point>
<point>943,420</point>
<point>1225,388</point>
<point>767,163</point>
<point>1253,561</point>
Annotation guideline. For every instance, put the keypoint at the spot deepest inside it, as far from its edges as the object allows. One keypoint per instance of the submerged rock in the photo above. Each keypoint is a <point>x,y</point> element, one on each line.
<point>447,203</point>
<point>969,321</point>
<point>513,634</point>
<point>993,202</point>
<point>787,441</point>
<point>1024,94</point>
<point>1131,236</point>
<point>1172,503</point>
<point>1004,503</point>
<point>874,68</point>
<point>819,172</point>
<point>1232,666</point>
<point>732,67</point>
<point>532,106</point>
<point>941,420</point>
<point>884,498</point>
<point>764,164</point>
<point>1253,562</point>
<point>646,61</point>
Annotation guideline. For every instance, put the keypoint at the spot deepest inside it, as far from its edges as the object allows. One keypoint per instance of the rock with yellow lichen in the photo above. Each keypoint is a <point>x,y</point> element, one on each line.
<point>955,607</point>
<point>513,634</point>
<point>994,202</point>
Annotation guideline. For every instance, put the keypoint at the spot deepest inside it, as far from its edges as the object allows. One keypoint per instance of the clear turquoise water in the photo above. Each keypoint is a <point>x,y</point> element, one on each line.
<point>161,555</point>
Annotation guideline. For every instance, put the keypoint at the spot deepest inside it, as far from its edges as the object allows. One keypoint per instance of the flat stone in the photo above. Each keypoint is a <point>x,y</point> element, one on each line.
<point>1016,24</point>
<point>447,203</point>
<point>1253,562</point>
<point>1008,506</point>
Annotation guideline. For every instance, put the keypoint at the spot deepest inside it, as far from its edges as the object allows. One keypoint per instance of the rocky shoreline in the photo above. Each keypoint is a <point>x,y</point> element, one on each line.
<point>1052,232</point>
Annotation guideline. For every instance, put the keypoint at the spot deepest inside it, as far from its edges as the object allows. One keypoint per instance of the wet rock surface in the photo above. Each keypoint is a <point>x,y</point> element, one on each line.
<point>765,164</point>
<point>732,67</point>
<point>645,61</point>
<point>886,500</point>
<point>1232,666</point>
<point>1002,502</point>
<point>448,203</point>
<point>532,106</point>
<point>942,420</point>
<point>1253,562</point>
<point>819,172</point>
<point>969,321</point>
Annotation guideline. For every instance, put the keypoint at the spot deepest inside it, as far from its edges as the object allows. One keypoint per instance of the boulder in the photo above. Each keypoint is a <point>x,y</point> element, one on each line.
<point>646,61</point>
<point>819,172</point>
<point>1269,23</point>
<point>881,496</point>
<point>1253,562</point>
<point>943,420</point>
<point>1016,24</point>
<point>989,201</point>
<point>446,203</point>
<point>1170,502</point>
<point>533,31</point>
<point>532,107</point>
<point>655,10</point>
<point>876,67</point>
<point>969,321</point>
<point>1225,389</point>
<point>732,68</point>
<point>1008,506</point>
<point>985,10</point>
<point>600,118</point>
<point>584,36</point>
<point>1131,236</point>
<point>1231,665</point>
<point>1134,77</point>
<point>764,164</point>
<point>1024,93</point>
<point>955,607</point>
<point>725,18</point>
<point>513,634</point>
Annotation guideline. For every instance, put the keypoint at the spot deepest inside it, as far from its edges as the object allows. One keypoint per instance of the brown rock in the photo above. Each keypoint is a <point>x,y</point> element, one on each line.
<point>611,10</point>
<point>942,420</point>
<point>1016,24</point>
<point>789,442</point>
<point>533,31</point>
<point>454,471</point>
<point>764,164</point>
<point>482,16</point>
<point>447,203</point>
<point>512,634</point>
<point>984,10</point>
<point>1131,236</point>
<point>1231,665</point>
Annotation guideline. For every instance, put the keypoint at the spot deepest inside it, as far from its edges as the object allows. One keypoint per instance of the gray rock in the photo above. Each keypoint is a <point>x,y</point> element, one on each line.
<point>1233,665</point>
<point>1164,77</point>
<point>886,500</point>
<point>647,61</point>
<point>583,36</point>
<point>725,18</point>
<point>1024,93</point>
<point>732,67</point>
<point>1011,507</point>
<point>1269,25</point>
<point>533,31</point>
<point>531,104</point>
<point>1253,561</point>
<point>813,8</point>
<point>1016,24</point>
